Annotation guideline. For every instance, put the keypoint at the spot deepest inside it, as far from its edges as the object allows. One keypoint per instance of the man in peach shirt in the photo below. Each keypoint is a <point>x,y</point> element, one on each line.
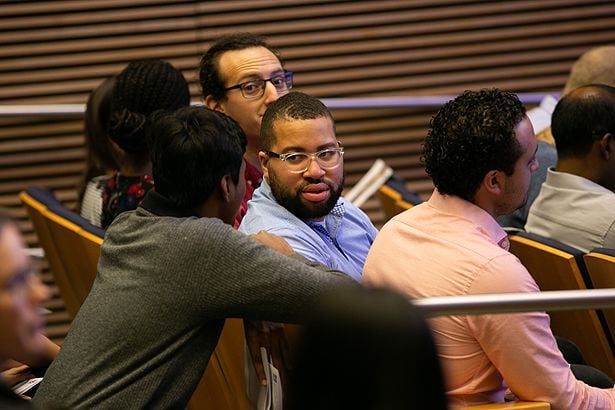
<point>480,153</point>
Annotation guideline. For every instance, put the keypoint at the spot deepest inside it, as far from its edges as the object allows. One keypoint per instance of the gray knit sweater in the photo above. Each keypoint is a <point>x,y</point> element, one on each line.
<point>165,284</point>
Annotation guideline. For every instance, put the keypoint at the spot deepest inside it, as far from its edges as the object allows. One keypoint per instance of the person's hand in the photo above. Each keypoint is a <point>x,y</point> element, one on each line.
<point>274,242</point>
<point>17,374</point>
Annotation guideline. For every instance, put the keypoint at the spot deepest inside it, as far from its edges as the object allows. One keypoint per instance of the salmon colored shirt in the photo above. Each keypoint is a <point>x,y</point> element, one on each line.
<point>448,246</point>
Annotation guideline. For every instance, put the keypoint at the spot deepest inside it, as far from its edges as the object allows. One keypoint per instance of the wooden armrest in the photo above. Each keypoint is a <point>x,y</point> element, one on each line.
<point>517,405</point>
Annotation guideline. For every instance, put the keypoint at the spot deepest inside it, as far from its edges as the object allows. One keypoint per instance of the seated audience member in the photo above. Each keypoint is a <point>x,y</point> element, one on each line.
<point>366,349</point>
<point>594,66</point>
<point>299,199</point>
<point>172,271</point>
<point>240,75</point>
<point>21,297</point>
<point>140,89</point>
<point>102,158</point>
<point>480,152</point>
<point>576,204</point>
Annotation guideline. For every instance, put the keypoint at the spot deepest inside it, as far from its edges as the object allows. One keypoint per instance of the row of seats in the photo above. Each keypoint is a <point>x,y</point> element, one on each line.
<point>556,266</point>
<point>72,246</point>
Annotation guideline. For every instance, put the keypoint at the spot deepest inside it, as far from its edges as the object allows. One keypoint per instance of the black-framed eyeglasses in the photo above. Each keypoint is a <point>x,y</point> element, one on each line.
<point>256,88</point>
<point>299,162</point>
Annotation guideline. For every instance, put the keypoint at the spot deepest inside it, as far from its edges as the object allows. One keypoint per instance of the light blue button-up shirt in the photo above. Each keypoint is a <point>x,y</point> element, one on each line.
<point>353,232</point>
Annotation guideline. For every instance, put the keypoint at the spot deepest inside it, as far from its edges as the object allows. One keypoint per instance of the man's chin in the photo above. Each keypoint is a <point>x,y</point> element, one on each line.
<point>312,210</point>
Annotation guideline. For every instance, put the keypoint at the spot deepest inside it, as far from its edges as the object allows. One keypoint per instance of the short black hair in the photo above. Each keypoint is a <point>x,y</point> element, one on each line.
<point>209,72</point>
<point>469,136</point>
<point>582,115</point>
<point>292,106</point>
<point>192,149</point>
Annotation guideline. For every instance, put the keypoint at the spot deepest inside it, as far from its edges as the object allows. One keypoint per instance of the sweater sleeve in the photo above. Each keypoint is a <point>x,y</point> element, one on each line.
<point>254,282</point>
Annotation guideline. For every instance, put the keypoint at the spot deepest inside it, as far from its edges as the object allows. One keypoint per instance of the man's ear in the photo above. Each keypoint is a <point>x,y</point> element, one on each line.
<point>264,159</point>
<point>606,146</point>
<point>492,181</point>
<point>213,104</point>
<point>225,188</point>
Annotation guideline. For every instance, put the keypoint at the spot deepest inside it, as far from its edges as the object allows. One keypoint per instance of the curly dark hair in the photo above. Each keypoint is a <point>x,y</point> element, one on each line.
<point>292,106</point>
<point>192,149</point>
<point>469,136</point>
<point>209,74</point>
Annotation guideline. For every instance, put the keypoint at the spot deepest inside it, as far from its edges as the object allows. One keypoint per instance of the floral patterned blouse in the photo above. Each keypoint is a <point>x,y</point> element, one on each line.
<point>123,193</point>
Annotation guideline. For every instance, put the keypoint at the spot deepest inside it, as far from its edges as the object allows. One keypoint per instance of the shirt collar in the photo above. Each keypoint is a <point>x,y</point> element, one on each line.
<point>571,181</point>
<point>454,205</point>
<point>163,206</point>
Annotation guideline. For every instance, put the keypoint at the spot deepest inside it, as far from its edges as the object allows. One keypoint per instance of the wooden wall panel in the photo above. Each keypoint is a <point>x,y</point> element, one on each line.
<point>56,52</point>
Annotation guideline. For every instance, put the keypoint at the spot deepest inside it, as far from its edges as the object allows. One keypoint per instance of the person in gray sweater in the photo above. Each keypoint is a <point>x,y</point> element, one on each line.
<point>171,271</point>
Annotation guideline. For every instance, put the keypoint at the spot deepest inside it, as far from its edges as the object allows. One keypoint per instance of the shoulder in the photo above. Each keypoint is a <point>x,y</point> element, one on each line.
<point>503,273</point>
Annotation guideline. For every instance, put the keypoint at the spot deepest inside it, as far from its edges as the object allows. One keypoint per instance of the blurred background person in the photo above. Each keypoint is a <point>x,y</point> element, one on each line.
<point>101,156</point>
<point>21,297</point>
<point>366,349</point>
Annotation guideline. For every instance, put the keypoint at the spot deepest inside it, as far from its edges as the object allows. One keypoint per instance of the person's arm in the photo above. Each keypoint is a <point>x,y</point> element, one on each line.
<point>41,359</point>
<point>523,349</point>
<point>261,284</point>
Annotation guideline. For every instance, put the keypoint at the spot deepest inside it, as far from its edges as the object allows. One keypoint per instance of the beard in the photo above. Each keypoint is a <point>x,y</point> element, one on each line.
<point>295,204</point>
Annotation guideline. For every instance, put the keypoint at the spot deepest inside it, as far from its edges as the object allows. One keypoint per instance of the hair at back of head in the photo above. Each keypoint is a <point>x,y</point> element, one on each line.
<point>596,66</point>
<point>192,149</point>
<point>141,88</point>
<point>97,110</point>
<point>100,156</point>
<point>366,349</point>
<point>581,116</point>
<point>469,136</point>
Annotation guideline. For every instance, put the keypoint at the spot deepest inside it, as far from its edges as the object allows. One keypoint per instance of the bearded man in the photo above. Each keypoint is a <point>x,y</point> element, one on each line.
<point>299,200</point>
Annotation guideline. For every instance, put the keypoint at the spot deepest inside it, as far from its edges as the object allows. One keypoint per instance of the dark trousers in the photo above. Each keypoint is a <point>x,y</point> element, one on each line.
<point>587,374</point>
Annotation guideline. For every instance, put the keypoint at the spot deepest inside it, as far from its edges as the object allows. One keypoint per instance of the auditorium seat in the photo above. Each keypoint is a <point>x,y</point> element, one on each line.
<point>601,269</point>
<point>395,197</point>
<point>516,405</point>
<point>555,266</point>
<point>70,242</point>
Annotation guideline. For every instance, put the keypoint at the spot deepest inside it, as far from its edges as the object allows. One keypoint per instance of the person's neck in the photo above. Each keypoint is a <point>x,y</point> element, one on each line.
<point>134,169</point>
<point>485,201</point>
<point>579,167</point>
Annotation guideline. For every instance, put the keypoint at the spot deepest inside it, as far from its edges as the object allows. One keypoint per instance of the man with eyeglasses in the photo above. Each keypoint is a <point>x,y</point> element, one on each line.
<point>241,75</point>
<point>299,199</point>
<point>576,203</point>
